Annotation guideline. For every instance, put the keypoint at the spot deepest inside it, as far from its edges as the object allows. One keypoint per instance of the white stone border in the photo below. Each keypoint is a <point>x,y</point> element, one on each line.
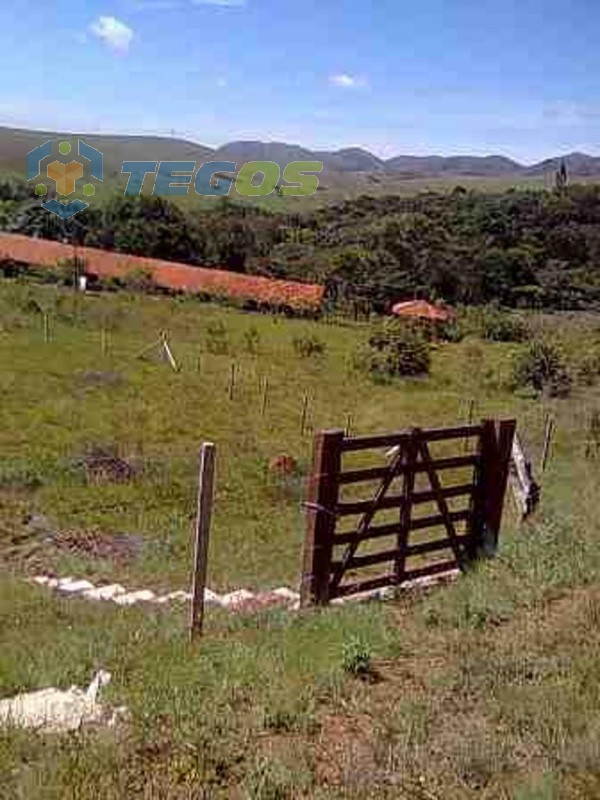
<point>239,600</point>
<point>118,594</point>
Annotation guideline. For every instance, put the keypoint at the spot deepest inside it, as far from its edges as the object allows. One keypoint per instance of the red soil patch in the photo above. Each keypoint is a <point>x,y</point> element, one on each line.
<point>166,274</point>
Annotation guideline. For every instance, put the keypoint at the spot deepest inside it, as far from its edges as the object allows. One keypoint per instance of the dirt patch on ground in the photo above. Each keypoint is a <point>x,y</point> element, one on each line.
<point>345,751</point>
<point>105,467</point>
<point>120,548</point>
<point>31,541</point>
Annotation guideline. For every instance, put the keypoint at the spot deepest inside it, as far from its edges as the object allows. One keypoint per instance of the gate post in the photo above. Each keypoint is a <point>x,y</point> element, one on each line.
<point>323,489</point>
<point>495,451</point>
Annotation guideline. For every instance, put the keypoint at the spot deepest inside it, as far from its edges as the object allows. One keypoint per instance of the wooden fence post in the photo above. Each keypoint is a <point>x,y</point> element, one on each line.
<point>495,451</point>
<point>204,513</point>
<point>323,492</point>
<point>548,434</point>
<point>265,395</point>
<point>304,414</point>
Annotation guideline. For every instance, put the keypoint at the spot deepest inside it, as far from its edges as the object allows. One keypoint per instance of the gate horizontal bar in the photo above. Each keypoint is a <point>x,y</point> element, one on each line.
<point>352,444</point>
<point>376,473</point>
<point>379,531</point>
<point>422,548</point>
<point>395,501</point>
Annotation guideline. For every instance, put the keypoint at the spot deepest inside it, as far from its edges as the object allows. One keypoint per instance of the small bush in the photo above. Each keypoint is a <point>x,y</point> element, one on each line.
<point>308,345</point>
<point>395,348</point>
<point>540,366</point>
<point>492,324</point>
<point>499,326</point>
<point>217,338</point>
<point>356,658</point>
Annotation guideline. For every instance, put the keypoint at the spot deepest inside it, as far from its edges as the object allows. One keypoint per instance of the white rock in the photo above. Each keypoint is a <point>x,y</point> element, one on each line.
<point>179,595</point>
<point>212,598</point>
<point>75,586</point>
<point>235,598</point>
<point>144,596</point>
<point>287,594</point>
<point>105,592</point>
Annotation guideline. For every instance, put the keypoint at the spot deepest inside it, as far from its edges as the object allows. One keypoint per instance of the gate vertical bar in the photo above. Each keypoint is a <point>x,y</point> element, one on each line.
<point>409,461</point>
<point>495,453</point>
<point>323,490</point>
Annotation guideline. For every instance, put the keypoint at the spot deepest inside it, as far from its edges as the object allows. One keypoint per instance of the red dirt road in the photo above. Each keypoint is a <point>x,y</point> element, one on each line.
<point>166,274</point>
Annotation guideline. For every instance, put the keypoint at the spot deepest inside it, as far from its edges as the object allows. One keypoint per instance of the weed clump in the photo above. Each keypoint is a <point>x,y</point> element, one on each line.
<point>356,658</point>
<point>252,340</point>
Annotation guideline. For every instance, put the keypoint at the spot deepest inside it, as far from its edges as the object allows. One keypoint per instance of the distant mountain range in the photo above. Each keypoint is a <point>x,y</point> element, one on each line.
<point>355,159</point>
<point>15,143</point>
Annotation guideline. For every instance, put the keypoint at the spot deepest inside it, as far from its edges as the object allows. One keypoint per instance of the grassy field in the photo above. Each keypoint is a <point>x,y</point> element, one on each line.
<point>488,688</point>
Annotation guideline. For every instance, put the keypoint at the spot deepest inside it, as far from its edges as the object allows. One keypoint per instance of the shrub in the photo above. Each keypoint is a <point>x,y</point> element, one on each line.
<point>395,348</point>
<point>308,345</point>
<point>499,326</point>
<point>492,324</point>
<point>139,279</point>
<point>540,366</point>
<point>217,338</point>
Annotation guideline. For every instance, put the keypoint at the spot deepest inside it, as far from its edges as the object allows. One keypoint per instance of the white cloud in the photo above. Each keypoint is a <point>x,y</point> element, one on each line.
<point>114,33</point>
<point>344,81</point>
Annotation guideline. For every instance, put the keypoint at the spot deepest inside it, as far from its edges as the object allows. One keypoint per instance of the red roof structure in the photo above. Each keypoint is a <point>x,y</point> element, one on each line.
<point>421,309</point>
<point>166,274</point>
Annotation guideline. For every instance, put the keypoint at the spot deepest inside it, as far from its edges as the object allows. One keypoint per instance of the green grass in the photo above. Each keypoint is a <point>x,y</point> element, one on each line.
<point>62,398</point>
<point>486,688</point>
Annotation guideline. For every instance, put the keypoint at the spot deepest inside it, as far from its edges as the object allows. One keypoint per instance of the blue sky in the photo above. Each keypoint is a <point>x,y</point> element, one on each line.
<point>517,77</point>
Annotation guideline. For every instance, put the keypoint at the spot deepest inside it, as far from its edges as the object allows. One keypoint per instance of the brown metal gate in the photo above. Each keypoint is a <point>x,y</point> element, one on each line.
<point>417,491</point>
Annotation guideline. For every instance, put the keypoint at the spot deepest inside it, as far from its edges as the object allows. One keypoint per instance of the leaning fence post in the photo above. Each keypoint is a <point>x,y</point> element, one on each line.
<point>202,532</point>
<point>495,451</point>
<point>323,492</point>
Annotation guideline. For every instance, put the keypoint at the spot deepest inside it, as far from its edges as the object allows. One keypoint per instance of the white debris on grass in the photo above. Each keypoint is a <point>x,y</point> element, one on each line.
<point>57,711</point>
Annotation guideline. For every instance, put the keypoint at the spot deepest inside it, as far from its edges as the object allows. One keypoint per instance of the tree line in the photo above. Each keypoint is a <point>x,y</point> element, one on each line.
<point>521,248</point>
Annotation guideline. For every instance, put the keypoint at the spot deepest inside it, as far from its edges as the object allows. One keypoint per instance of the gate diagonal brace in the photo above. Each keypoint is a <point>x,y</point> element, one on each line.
<point>368,517</point>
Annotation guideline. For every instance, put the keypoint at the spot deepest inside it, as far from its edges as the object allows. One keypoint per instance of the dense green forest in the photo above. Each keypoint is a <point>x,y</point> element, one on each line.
<point>520,248</point>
